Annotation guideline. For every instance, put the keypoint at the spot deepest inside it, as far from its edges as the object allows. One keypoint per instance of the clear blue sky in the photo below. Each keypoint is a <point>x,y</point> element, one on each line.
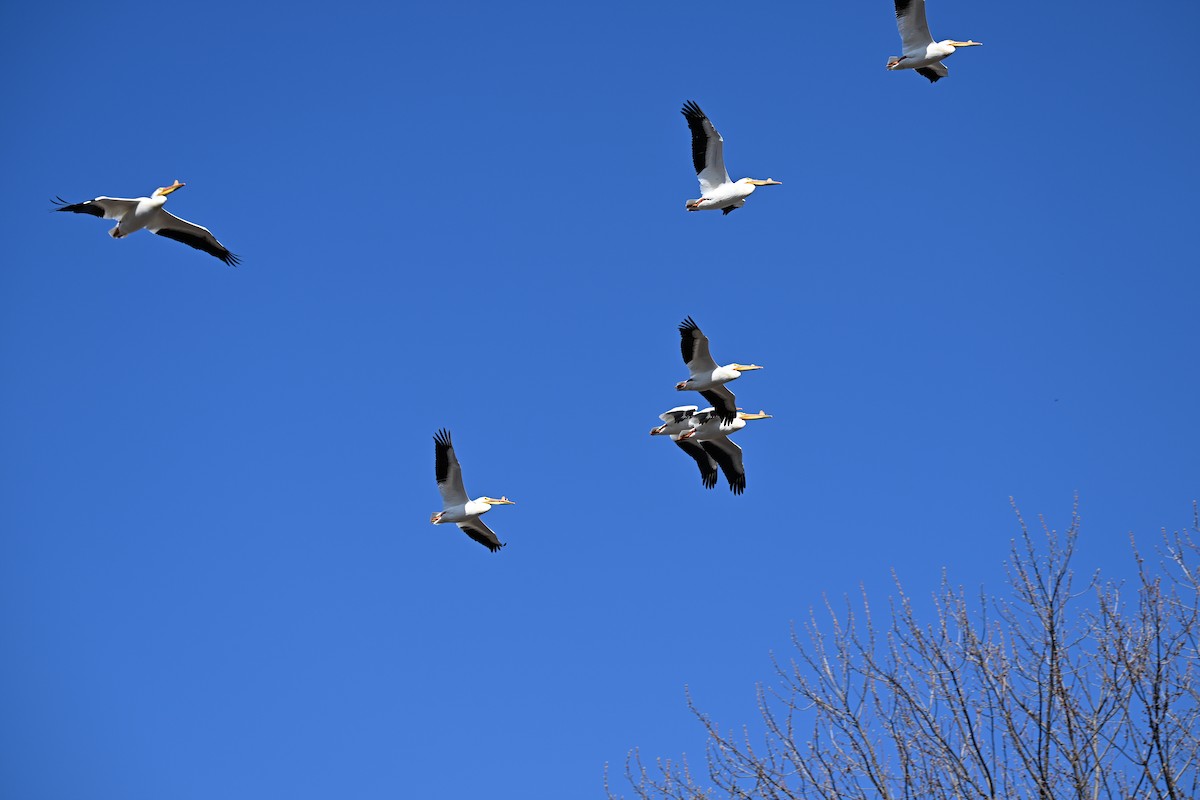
<point>217,574</point>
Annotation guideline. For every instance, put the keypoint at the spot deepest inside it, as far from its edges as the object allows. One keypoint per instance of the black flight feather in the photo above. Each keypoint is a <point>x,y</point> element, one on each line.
<point>441,458</point>
<point>695,120</point>
<point>688,331</point>
<point>482,538</point>
<point>737,482</point>
<point>708,467</point>
<point>727,413</point>
<point>200,243</point>
<point>86,207</point>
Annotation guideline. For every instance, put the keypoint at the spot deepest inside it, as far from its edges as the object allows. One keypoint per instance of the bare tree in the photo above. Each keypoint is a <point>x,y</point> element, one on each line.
<point>1063,687</point>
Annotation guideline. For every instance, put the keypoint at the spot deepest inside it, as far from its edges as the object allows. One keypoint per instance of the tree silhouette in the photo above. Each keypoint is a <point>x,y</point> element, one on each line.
<point>1061,687</point>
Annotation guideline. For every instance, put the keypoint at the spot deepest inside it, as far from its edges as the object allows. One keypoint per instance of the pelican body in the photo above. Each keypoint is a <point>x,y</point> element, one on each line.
<point>921,52</point>
<point>708,157</point>
<point>457,507</point>
<point>134,214</point>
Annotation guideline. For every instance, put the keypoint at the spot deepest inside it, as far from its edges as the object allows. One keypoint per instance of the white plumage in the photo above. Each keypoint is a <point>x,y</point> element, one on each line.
<point>921,52</point>
<point>457,506</point>
<point>706,376</point>
<point>717,191</point>
<point>704,436</point>
<point>134,214</point>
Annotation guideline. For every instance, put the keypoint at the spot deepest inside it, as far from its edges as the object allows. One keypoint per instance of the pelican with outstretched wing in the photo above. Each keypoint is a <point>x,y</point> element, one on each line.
<point>708,156</point>
<point>707,377</point>
<point>133,214</point>
<point>677,423</point>
<point>457,507</point>
<point>921,52</point>
<point>711,434</point>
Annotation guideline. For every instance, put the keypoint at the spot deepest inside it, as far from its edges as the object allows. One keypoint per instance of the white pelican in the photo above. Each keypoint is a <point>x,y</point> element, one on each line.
<point>133,214</point>
<point>712,434</point>
<point>921,52</point>
<point>716,190</point>
<point>707,377</point>
<point>456,506</point>
<point>677,424</point>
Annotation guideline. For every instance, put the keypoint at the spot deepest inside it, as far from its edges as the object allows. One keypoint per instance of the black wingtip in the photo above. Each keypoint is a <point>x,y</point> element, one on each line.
<point>692,111</point>
<point>86,207</point>
<point>688,325</point>
<point>442,437</point>
<point>230,259</point>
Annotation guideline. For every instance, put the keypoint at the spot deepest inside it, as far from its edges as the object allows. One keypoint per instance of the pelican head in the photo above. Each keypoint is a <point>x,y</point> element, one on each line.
<point>744,367</point>
<point>759,415</point>
<point>659,431</point>
<point>163,191</point>
<point>491,501</point>
<point>967,43</point>
<point>767,182</point>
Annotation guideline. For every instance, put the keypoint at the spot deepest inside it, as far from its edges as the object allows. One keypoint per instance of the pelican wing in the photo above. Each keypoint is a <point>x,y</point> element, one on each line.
<point>729,456</point>
<point>694,346</point>
<point>477,530</point>
<point>168,225</point>
<point>934,72</point>
<point>708,467</point>
<point>914,30</point>
<point>447,471</point>
<point>723,401</point>
<point>707,148</point>
<point>103,207</point>
<point>677,414</point>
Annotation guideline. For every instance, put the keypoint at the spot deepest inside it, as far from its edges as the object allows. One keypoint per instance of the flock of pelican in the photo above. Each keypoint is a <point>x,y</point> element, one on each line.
<point>703,434</point>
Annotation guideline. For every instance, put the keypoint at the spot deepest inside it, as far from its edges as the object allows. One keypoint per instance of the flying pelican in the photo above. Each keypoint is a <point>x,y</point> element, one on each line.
<point>706,377</point>
<point>921,52</point>
<point>716,190</point>
<point>712,434</point>
<point>133,214</point>
<point>677,424</point>
<point>456,506</point>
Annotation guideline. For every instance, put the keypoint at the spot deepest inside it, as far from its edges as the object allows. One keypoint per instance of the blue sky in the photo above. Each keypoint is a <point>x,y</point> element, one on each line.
<point>217,575</point>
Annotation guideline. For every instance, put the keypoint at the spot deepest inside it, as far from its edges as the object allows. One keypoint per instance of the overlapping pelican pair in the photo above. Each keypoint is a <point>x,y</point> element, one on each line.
<point>704,433</point>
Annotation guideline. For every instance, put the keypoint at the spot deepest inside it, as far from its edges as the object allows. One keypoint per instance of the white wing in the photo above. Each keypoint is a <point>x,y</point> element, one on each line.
<point>914,30</point>
<point>103,207</point>
<point>708,147</point>
<point>729,456</point>
<point>193,235</point>
<point>477,530</point>
<point>677,414</point>
<point>694,347</point>
<point>447,471</point>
